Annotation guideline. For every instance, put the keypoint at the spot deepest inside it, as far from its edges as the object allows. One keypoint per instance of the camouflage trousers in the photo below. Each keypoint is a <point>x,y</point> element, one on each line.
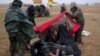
<point>18,44</point>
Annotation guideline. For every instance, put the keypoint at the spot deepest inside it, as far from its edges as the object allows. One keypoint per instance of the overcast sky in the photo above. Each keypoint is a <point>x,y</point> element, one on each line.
<point>59,1</point>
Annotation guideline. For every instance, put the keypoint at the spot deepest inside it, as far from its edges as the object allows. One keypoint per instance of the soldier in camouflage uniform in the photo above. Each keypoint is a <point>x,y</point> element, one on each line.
<point>18,28</point>
<point>78,15</point>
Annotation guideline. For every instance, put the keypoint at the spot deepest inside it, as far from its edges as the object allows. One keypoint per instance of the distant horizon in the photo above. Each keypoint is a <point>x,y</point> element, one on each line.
<point>58,1</point>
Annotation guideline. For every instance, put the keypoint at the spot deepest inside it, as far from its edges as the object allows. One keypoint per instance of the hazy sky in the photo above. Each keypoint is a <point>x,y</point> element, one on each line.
<point>9,1</point>
<point>59,1</point>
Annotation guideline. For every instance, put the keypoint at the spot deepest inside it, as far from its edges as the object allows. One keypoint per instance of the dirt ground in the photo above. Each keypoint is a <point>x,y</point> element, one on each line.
<point>91,45</point>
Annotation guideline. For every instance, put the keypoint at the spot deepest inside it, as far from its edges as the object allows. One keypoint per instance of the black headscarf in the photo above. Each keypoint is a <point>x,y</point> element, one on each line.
<point>31,11</point>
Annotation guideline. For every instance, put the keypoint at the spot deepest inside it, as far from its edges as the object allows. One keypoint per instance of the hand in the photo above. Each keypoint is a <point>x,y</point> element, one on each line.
<point>34,40</point>
<point>51,54</point>
<point>67,13</point>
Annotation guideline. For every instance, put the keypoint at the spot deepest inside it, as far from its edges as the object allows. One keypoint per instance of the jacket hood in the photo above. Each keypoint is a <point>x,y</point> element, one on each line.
<point>17,3</point>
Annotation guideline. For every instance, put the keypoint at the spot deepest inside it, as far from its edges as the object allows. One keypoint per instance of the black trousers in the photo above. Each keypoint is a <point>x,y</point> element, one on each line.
<point>78,33</point>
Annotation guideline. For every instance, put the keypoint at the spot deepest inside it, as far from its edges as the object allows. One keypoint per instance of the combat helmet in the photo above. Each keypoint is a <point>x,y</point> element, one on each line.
<point>73,4</point>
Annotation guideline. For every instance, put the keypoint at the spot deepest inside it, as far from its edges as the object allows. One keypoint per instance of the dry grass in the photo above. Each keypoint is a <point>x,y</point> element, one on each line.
<point>92,24</point>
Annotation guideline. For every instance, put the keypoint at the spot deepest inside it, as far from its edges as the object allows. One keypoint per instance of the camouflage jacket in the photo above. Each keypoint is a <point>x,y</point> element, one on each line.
<point>78,15</point>
<point>16,21</point>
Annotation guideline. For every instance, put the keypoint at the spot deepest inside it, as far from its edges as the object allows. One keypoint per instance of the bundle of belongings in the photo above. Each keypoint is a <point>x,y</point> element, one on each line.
<point>56,37</point>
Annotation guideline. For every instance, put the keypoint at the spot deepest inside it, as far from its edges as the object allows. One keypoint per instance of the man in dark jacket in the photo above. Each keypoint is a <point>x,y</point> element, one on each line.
<point>78,15</point>
<point>31,12</point>
<point>17,27</point>
<point>63,8</point>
